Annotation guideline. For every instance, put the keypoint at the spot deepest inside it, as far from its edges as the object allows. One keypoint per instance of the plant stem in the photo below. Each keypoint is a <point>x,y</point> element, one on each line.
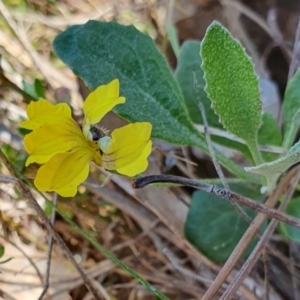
<point>221,193</point>
<point>255,153</point>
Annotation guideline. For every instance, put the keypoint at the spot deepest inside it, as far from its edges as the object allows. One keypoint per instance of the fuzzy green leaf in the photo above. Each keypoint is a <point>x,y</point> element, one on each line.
<point>232,85</point>
<point>272,170</point>
<point>188,69</point>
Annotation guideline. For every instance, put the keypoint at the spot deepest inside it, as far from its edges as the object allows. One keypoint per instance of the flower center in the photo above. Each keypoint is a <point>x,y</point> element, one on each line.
<point>95,134</point>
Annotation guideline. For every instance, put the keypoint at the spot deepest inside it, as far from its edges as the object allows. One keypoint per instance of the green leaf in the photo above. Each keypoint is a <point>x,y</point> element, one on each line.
<point>98,52</point>
<point>17,158</point>
<point>288,231</point>
<point>189,63</point>
<point>291,110</point>
<point>23,131</point>
<point>188,67</point>
<point>48,209</point>
<point>35,90</point>
<point>5,261</point>
<point>213,225</point>
<point>232,85</point>
<point>2,250</point>
<point>272,170</point>
<point>269,134</point>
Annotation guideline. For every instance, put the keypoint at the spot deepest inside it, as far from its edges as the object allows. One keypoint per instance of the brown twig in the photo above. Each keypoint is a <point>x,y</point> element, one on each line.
<point>27,193</point>
<point>220,192</point>
<point>166,153</point>
<point>252,230</point>
<point>146,218</point>
<point>208,141</point>
<point>40,276</point>
<point>266,275</point>
<point>247,237</point>
<point>293,255</point>
<point>162,248</point>
<point>50,247</point>
<point>254,256</point>
<point>7,179</point>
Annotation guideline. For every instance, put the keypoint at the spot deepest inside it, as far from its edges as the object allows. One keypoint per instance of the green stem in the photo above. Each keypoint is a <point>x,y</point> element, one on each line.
<point>255,154</point>
<point>289,137</point>
<point>257,160</point>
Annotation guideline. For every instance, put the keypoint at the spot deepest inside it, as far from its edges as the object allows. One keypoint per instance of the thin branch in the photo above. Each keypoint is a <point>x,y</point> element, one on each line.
<point>220,192</point>
<point>209,142</point>
<point>293,255</point>
<point>27,193</point>
<point>161,247</point>
<point>50,247</point>
<point>166,153</point>
<point>7,179</point>
<point>245,293</point>
<point>40,276</point>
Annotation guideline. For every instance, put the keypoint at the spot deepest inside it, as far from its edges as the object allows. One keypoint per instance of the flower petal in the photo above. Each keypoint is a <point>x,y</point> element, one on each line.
<point>129,149</point>
<point>139,165</point>
<point>64,172</point>
<point>43,111</point>
<point>102,100</point>
<point>46,141</point>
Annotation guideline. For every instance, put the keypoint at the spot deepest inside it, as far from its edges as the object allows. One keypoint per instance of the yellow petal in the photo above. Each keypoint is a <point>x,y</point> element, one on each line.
<point>139,165</point>
<point>102,100</point>
<point>129,149</point>
<point>46,141</point>
<point>42,111</point>
<point>64,172</point>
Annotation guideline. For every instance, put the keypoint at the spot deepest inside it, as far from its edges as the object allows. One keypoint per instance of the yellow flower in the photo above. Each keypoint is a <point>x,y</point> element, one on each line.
<point>65,151</point>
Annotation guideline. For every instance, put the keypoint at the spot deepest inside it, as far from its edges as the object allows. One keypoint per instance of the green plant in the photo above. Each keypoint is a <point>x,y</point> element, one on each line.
<point>218,73</point>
